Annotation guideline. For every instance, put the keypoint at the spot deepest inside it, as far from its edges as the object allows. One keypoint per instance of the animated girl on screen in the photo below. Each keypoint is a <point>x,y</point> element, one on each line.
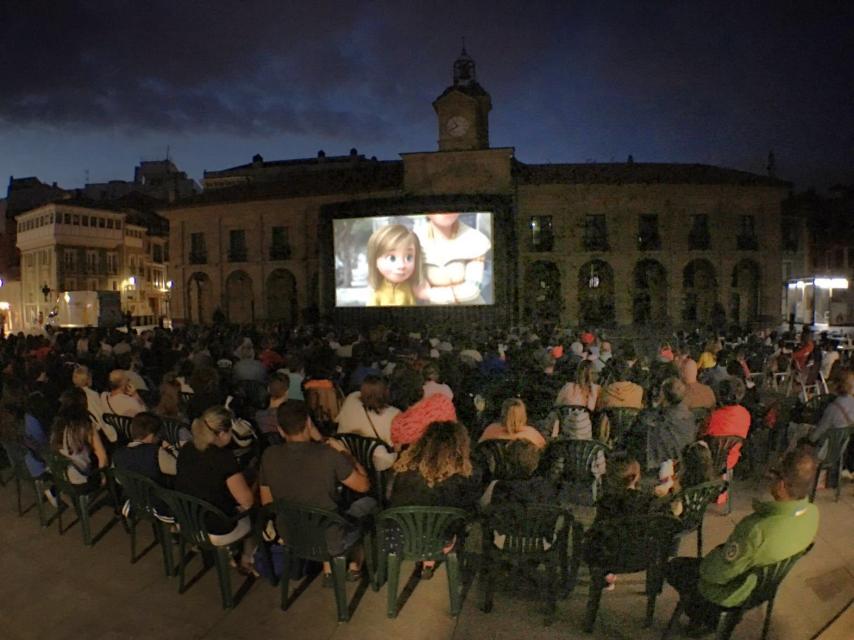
<point>395,266</point>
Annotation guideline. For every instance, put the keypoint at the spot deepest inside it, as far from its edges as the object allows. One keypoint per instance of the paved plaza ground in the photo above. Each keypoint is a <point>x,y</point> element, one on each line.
<point>54,587</point>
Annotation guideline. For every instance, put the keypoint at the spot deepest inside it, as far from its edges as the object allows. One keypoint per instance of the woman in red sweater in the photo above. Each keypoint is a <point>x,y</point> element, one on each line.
<point>730,418</point>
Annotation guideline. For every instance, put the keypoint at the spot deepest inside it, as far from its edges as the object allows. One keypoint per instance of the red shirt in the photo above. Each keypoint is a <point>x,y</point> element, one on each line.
<point>732,420</point>
<point>802,355</point>
<point>410,425</point>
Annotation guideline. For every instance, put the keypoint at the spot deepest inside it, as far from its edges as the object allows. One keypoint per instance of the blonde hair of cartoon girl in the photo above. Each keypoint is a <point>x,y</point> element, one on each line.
<point>395,266</point>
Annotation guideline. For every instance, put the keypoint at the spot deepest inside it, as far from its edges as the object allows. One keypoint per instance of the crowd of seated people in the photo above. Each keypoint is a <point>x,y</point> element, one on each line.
<point>424,396</point>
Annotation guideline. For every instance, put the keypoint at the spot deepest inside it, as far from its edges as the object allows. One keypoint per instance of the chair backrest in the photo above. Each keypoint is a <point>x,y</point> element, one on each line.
<point>425,531</point>
<point>569,416</point>
<point>769,579</point>
<point>17,454</point>
<point>121,424</point>
<point>191,514</point>
<point>572,460</point>
<point>720,447</point>
<point>493,455</point>
<point>170,430</point>
<point>306,530</point>
<point>139,490</point>
<point>58,466</point>
<point>527,529</point>
<point>701,416</point>
<point>695,500</point>
<point>361,447</point>
<point>626,545</point>
<point>620,421</point>
<point>838,440</point>
<point>814,408</point>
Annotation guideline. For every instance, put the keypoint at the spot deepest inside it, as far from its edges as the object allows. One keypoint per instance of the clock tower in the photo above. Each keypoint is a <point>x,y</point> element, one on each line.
<point>463,110</point>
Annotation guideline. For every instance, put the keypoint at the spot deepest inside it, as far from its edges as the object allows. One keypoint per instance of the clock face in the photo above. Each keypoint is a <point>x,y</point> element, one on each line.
<point>457,126</point>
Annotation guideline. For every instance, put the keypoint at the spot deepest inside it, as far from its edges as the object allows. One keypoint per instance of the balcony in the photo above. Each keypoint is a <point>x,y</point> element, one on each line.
<point>747,243</point>
<point>699,242</point>
<point>651,242</point>
<point>237,255</point>
<point>280,252</point>
<point>596,243</point>
<point>198,257</point>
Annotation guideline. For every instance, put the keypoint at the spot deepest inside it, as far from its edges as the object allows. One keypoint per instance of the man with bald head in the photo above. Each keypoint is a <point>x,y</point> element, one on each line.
<point>122,399</point>
<point>697,394</point>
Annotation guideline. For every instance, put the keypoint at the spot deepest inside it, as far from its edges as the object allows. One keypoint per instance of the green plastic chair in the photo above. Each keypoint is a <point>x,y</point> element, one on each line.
<point>701,416</point>
<point>567,415</point>
<point>493,455</point>
<point>572,461</point>
<point>814,408</point>
<point>191,513</point>
<point>534,535</point>
<point>838,441</point>
<point>620,422</point>
<point>141,494</point>
<point>720,447</point>
<point>424,533</point>
<point>185,398</point>
<point>17,454</point>
<point>362,448</point>
<point>628,545</point>
<point>170,430</point>
<point>122,426</point>
<point>768,581</point>
<point>305,533</point>
<point>695,501</point>
<point>84,503</point>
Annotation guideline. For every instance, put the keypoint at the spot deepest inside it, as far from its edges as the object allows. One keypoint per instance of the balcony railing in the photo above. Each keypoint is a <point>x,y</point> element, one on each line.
<point>651,242</point>
<point>747,243</point>
<point>198,257</point>
<point>596,243</point>
<point>237,255</point>
<point>699,242</point>
<point>280,252</point>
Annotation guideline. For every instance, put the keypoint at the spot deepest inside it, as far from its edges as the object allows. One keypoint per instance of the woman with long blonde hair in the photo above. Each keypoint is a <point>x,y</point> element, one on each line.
<point>436,471</point>
<point>513,425</point>
<point>580,396</point>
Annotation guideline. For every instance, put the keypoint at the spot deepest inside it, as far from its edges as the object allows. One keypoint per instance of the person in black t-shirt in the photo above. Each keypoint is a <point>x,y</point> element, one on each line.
<point>144,455</point>
<point>208,470</point>
<point>307,471</point>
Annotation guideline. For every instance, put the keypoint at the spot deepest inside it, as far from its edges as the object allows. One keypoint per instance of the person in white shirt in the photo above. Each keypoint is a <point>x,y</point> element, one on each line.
<point>82,379</point>
<point>367,413</point>
<point>433,385</point>
<point>122,399</point>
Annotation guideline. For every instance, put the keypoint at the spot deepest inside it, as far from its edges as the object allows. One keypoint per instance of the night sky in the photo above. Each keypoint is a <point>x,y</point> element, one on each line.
<point>100,85</point>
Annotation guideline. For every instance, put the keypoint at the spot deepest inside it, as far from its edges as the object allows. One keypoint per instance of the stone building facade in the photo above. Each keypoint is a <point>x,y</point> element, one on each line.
<point>619,243</point>
<point>71,247</point>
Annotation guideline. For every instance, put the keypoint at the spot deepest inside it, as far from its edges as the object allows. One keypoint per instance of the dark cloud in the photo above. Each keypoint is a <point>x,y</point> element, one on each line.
<point>719,82</point>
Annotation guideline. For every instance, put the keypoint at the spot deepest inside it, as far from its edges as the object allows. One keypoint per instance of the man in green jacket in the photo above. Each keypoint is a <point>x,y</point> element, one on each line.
<point>774,531</point>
